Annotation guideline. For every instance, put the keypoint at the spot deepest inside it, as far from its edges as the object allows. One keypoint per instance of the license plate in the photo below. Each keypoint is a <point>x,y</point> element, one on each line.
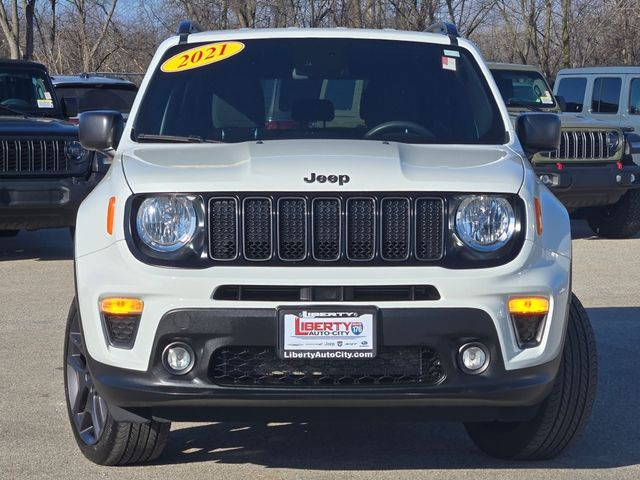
<point>327,333</point>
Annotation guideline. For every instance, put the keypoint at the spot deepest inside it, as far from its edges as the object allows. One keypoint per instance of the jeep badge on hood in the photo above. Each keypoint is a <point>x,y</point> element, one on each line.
<point>339,179</point>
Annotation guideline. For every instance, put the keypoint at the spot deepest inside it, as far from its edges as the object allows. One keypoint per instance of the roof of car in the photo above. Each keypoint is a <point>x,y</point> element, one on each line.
<point>29,63</point>
<point>88,79</point>
<point>511,66</point>
<point>595,70</point>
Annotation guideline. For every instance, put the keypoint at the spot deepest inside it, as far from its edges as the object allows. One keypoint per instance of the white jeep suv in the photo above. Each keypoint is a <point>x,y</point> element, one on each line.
<point>402,263</point>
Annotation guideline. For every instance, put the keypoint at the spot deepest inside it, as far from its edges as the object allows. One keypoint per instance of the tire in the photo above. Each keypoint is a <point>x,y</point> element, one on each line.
<point>620,220</point>
<point>102,439</point>
<point>8,233</point>
<point>563,415</point>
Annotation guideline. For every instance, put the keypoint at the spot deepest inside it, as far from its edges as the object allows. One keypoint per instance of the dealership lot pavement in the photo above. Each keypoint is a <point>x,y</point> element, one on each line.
<point>36,288</point>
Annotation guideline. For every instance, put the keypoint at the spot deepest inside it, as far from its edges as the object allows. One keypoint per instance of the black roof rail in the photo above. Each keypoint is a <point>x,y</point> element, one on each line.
<point>186,28</point>
<point>445,28</point>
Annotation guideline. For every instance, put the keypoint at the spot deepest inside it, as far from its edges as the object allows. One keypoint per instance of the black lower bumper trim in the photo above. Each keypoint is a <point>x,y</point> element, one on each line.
<point>494,394</point>
<point>42,203</point>
<point>579,186</point>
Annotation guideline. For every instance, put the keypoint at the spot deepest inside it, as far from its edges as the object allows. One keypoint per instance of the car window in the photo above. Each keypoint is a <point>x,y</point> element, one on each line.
<point>634,97</point>
<point>321,88</point>
<point>606,95</point>
<point>99,98</point>
<point>528,87</point>
<point>572,90</point>
<point>26,89</point>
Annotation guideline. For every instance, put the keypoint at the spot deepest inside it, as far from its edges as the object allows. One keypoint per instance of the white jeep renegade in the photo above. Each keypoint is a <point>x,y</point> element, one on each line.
<point>253,254</point>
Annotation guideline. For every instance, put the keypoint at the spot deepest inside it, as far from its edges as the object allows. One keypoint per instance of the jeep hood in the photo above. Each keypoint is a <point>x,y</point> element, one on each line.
<point>282,165</point>
<point>13,125</point>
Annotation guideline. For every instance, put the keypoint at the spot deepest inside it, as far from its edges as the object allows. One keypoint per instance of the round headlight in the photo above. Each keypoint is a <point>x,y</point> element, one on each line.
<point>75,152</point>
<point>613,140</point>
<point>166,223</point>
<point>485,223</point>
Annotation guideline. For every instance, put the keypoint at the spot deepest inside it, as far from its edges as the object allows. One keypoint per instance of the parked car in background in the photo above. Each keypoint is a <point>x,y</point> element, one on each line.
<point>44,171</point>
<point>589,172</point>
<point>97,92</point>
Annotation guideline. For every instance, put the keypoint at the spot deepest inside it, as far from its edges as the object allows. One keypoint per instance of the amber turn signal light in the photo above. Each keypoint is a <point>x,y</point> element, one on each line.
<point>528,306</point>
<point>121,306</point>
<point>111,211</point>
<point>538,208</point>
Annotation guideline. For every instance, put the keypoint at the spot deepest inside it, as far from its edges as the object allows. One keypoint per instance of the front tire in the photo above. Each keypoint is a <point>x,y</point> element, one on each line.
<point>563,415</point>
<point>102,439</point>
<point>620,220</point>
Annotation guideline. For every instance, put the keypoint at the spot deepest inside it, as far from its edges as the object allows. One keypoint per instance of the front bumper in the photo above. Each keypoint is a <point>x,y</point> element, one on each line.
<point>43,203</point>
<point>200,395</point>
<point>588,186</point>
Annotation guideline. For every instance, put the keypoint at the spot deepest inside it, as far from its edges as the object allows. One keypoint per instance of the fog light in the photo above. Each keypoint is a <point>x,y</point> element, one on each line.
<point>633,178</point>
<point>473,358</point>
<point>178,358</point>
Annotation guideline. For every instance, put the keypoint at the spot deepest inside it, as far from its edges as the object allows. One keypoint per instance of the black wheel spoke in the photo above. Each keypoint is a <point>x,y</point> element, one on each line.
<point>88,410</point>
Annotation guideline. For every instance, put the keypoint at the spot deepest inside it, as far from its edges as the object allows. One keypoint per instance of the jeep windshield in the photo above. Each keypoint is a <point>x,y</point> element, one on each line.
<point>320,88</point>
<point>523,89</point>
<point>26,90</point>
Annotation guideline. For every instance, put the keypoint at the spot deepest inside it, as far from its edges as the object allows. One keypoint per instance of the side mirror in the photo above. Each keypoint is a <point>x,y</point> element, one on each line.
<point>538,132</point>
<point>562,103</point>
<point>70,107</point>
<point>632,143</point>
<point>101,130</point>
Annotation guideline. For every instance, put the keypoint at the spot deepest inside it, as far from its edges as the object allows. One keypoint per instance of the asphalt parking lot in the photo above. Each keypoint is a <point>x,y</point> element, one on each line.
<point>36,288</point>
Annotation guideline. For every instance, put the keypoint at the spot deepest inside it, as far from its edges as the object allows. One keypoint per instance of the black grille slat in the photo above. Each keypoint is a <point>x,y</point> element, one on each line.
<point>292,229</point>
<point>326,229</point>
<point>33,157</point>
<point>578,145</point>
<point>395,229</point>
<point>257,229</point>
<point>429,228</point>
<point>303,229</point>
<point>260,366</point>
<point>223,227</point>
<point>361,228</point>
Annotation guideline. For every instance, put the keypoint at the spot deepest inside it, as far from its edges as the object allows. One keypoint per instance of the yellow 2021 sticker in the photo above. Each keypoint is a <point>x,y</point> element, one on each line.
<point>201,56</point>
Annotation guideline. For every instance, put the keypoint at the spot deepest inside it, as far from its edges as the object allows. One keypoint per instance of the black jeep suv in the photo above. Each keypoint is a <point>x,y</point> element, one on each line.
<point>44,172</point>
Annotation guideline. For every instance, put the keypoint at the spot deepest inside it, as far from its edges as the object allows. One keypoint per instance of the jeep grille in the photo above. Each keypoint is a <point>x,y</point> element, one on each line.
<point>300,229</point>
<point>582,145</point>
<point>33,157</point>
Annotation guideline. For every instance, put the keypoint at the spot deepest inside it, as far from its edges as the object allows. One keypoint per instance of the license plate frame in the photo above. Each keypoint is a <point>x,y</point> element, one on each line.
<point>351,341</point>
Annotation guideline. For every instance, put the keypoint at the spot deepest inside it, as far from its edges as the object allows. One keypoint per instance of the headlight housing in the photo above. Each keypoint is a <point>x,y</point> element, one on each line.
<point>75,152</point>
<point>166,223</point>
<point>485,223</point>
<point>613,141</point>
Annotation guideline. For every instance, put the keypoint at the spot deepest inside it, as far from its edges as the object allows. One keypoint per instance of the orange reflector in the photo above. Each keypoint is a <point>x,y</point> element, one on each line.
<point>528,305</point>
<point>111,211</point>
<point>538,207</point>
<point>121,306</point>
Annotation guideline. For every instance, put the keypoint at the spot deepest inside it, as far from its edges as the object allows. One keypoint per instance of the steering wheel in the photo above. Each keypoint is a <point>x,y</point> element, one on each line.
<point>15,102</point>
<point>398,125</point>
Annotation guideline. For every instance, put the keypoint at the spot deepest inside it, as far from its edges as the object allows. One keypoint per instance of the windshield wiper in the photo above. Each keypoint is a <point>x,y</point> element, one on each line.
<point>529,106</point>
<point>9,109</point>
<point>174,138</point>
